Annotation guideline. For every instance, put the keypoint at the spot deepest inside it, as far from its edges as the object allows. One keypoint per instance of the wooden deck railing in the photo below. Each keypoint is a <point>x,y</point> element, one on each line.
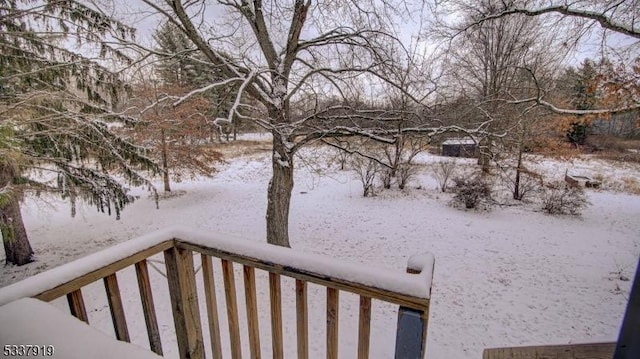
<point>570,351</point>
<point>410,291</point>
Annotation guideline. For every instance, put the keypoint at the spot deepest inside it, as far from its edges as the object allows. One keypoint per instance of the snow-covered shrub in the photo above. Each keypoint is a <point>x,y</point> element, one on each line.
<point>559,198</point>
<point>367,170</point>
<point>443,171</point>
<point>471,192</point>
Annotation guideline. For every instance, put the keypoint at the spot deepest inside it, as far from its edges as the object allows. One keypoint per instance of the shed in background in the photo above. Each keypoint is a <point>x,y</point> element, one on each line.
<point>460,147</point>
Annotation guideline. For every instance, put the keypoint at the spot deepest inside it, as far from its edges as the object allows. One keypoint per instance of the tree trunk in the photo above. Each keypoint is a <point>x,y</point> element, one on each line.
<point>279,193</point>
<point>484,158</point>
<point>399,147</point>
<point>14,235</point>
<point>516,187</point>
<point>165,163</point>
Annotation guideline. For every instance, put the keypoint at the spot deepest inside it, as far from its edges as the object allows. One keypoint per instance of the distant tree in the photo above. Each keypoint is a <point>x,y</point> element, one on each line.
<point>56,119</point>
<point>577,133</point>
<point>488,61</point>
<point>585,86</point>
<point>181,65</point>
<point>619,85</point>
<point>583,92</point>
<point>597,91</point>
<point>494,63</point>
<point>577,18</point>
<point>175,135</point>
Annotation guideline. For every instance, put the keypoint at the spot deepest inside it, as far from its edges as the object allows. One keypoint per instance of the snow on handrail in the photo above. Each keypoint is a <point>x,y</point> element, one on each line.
<point>414,285</point>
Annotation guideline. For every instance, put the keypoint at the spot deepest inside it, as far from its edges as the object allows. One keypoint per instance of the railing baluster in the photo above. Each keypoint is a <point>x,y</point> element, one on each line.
<point>76,305</point>
<point>364,327</point>
<point>212,306</point>
<point>302,322</point>
<point>232,308</point>
<point>142,272</point>
<point>116,308</point>
<point>184,302</point>
<point>332,323</point>
<point>252,311</point>
<point>276,315</point>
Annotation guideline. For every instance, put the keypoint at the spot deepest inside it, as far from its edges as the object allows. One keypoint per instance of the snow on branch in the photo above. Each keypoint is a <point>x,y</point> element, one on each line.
<point>238,101</point>
<point>564,111</point>
<point>601,17</point>
<point>205,89</point>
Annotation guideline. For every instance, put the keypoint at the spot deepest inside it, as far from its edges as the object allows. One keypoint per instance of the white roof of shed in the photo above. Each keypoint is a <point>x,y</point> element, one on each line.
<point>459,141</point>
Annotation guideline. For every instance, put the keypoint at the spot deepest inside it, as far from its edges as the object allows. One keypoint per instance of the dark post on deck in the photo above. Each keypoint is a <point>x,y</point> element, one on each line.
<point>628,346</point>
<point>411,333</point>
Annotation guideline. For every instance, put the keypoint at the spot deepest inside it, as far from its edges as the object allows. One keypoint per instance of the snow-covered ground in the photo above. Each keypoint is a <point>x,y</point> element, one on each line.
<point>511,276</point>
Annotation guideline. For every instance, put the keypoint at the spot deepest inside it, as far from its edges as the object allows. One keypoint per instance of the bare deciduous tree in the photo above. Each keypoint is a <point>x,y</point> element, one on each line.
<point>500,64</point>
<point>289,57</point>
<point>618,20</point>
<point>487,61</point>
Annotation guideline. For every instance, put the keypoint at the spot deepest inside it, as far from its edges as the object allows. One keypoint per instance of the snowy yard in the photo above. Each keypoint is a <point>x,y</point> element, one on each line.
<point>512,276</point>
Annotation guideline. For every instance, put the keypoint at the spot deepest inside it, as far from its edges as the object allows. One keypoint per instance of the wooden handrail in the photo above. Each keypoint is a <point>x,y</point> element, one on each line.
<point>79,282</point>
<point>395,288</point>
<point>571,351</point>
<point>410,291</point>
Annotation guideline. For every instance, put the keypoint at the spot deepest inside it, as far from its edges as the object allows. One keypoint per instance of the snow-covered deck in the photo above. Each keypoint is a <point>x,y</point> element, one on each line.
<point>411,291</point>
